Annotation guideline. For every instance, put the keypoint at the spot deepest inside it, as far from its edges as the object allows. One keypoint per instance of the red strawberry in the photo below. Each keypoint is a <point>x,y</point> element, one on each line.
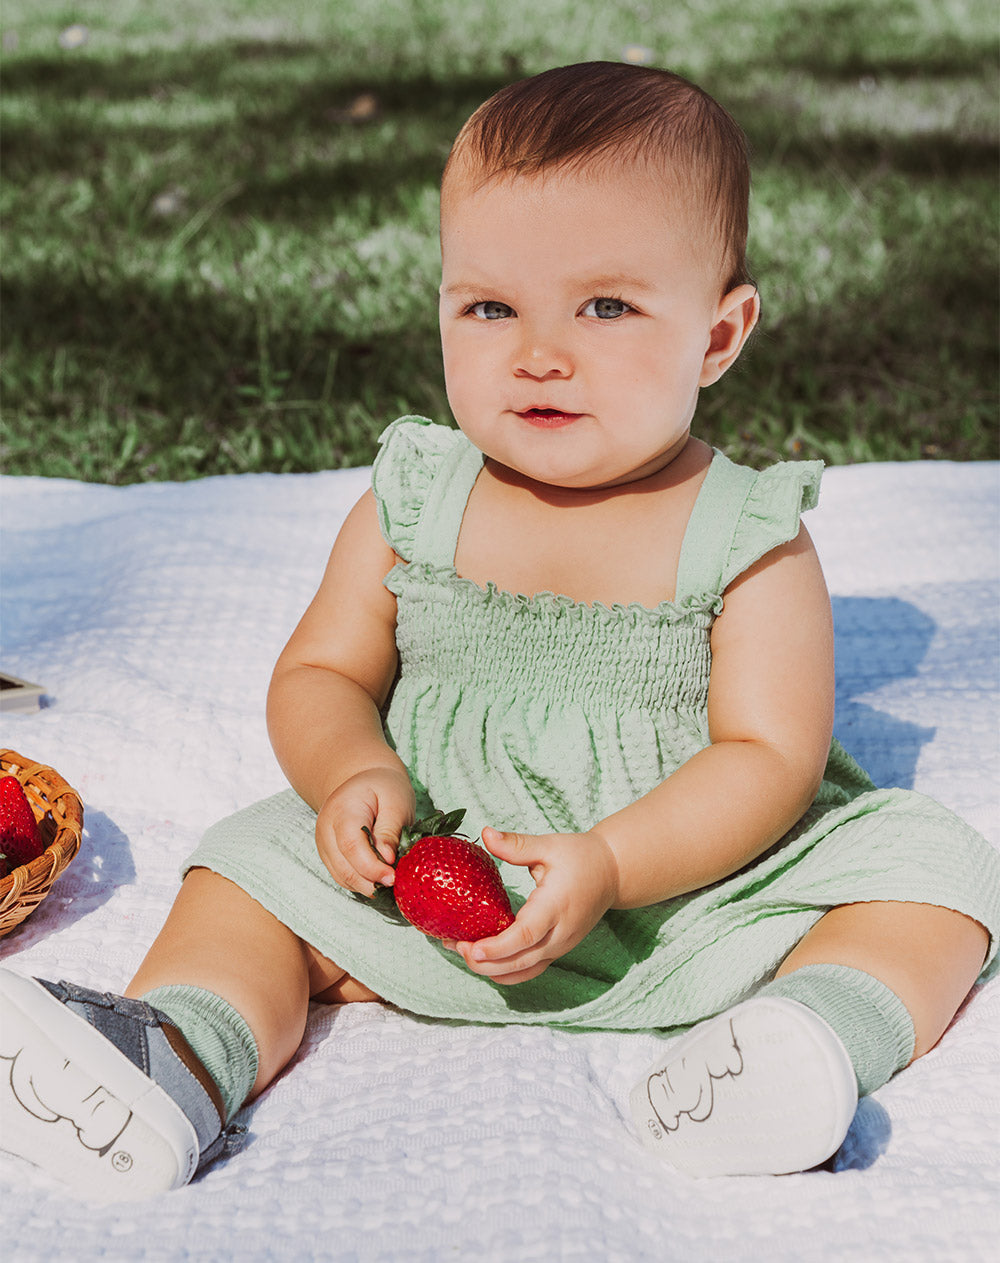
<point>450,888</point>
<point>20,839</point>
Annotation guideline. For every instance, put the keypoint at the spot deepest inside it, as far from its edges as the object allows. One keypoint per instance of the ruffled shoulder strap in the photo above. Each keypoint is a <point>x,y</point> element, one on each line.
<point>739,516</point>
<point>422,477</point>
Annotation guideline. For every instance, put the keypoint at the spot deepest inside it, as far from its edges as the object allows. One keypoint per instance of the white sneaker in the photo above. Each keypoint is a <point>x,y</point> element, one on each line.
<point>76,1098</point>
<point>766,1088</point>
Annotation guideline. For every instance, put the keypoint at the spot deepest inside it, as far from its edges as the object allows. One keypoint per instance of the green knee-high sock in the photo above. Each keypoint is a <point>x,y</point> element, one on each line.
<point>218,1035</point>
<point>870,1020</point>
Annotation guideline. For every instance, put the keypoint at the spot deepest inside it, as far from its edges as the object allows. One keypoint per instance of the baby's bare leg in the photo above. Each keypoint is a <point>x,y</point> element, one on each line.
<point>217,937</point>
<point>928,956</point>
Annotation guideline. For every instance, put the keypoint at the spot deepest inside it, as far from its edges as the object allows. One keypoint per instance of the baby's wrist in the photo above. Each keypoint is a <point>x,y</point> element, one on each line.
<point>611,874</point>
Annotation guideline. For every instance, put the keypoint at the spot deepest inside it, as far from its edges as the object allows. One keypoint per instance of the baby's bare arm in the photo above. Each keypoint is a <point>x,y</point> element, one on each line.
<point>323,706</point>
<point>770,713</point>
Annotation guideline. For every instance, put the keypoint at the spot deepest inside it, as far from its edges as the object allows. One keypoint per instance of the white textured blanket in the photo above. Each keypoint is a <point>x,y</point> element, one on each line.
<point>152,615</point>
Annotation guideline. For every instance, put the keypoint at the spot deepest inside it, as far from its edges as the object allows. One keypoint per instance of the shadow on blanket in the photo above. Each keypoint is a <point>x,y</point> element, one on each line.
<point>884,638</point>
<point>103,865</point>
<point>867,1139</point>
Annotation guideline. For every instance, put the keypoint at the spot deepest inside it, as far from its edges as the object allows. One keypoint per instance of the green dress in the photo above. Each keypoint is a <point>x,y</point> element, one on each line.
<point>540,714</point>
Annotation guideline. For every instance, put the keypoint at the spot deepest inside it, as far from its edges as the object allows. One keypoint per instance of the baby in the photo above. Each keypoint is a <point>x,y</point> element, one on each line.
<point>612,646</point>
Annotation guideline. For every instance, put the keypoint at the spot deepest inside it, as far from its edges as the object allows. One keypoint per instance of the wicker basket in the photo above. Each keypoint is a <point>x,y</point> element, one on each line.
<point>59,813</point>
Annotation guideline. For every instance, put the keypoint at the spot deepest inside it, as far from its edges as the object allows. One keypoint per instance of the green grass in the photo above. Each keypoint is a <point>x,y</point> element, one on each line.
<point>219,229</point>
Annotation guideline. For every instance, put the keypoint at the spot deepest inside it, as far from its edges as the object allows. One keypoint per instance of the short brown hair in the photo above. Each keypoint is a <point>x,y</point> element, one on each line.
<point>586,114</point>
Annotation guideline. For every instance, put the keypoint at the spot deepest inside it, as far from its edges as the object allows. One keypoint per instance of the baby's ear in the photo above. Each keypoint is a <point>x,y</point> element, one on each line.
<point>734,321</point>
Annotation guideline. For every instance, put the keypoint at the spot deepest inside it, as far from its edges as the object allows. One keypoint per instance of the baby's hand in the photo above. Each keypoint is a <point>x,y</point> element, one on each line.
<point>576,882</point>
<point>379,801</point>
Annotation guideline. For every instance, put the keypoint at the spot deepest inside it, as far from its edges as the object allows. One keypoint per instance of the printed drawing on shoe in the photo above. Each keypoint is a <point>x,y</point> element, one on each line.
<point>686,1088</point>
<point>51,1089</point>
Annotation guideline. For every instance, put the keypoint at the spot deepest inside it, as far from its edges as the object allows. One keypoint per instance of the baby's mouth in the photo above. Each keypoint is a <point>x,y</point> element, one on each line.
<point>548,418</point>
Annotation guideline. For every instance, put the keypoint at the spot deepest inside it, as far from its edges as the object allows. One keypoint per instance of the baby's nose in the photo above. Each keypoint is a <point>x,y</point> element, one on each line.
<point>542,354</point>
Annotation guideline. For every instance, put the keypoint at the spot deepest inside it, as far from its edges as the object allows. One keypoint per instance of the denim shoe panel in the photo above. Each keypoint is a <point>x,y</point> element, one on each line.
<point>167,1069</point>
<point>125,1023</point>
<point>135,1029</point>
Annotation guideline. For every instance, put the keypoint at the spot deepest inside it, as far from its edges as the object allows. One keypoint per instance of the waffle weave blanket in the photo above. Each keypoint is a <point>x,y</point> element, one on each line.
<point>152,615</point>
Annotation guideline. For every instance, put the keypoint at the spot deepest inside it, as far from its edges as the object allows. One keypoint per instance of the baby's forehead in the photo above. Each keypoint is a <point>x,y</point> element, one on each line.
<point>472,188</point>
<point>672,182</point>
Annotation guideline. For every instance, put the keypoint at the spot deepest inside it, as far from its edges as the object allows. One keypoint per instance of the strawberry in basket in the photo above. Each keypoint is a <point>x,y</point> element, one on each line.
<point>20,839</point>
<point>447,886</point>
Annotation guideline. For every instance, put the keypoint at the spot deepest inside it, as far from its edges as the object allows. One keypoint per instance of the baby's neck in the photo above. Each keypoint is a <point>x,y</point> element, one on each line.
<point>613,545</point>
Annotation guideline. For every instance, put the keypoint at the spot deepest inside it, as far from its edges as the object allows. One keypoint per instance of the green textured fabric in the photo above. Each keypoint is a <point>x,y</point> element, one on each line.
<point>869,1019</point>
<point>218,1035</point>
<point>540,714</point>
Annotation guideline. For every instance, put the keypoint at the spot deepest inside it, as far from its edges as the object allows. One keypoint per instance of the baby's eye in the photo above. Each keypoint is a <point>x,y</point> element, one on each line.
<point>606,308</point>
<point>491,310</point>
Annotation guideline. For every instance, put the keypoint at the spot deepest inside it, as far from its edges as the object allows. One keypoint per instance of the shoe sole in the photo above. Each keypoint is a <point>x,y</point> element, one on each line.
<point>764,1089</point>
<point>73,1104</point>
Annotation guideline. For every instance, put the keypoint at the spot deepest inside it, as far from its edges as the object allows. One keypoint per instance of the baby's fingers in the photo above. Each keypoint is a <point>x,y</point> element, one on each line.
<point>521,975</point>
<point>527,944</point>
<point>509,969</point>
<point>520,937</point>
<point>345,839</point>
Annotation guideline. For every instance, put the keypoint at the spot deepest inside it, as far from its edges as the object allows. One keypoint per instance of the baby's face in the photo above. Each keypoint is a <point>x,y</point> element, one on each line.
<point>577,311</point>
